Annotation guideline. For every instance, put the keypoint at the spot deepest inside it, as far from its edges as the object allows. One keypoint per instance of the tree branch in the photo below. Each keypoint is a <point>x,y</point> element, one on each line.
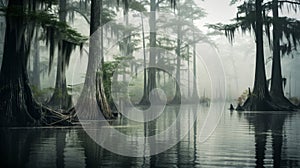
<point>81,13</point>
<point>289,2</point>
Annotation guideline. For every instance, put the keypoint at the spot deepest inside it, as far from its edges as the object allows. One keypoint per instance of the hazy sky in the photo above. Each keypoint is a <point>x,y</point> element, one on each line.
<point>217,11</point>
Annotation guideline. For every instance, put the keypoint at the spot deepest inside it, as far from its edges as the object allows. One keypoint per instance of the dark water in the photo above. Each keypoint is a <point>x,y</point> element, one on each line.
<point>241,139</point>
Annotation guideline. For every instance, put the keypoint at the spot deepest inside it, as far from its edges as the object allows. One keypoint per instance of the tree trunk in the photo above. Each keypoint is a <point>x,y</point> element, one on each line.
<point>144,54</point>
<point>158,75</point>
<point>60,98</point>
<point>195,90</point>
<point>17,106</point>
<point>177,97</point>
<point>152,60</point>
<point>260,99</point>
<point>276,91</point>
<point>36,80</point>
<point>101,97</point>
<point>188,70</point>
<point>260,86</point>
<point>88,106</point>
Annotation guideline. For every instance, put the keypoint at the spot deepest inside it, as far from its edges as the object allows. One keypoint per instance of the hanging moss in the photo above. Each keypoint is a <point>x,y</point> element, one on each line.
<point>56,31</point>
<point>137,6</point>
<point>245,21</point>
<point>52,45</point>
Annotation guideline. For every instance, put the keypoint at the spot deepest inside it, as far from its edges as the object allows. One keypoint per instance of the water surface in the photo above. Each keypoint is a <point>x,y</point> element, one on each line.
<point>241,139</point>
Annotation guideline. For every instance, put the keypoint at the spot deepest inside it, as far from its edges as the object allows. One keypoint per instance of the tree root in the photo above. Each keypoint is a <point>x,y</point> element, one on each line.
<point>283,102</point>
<point>253,103</point>
<point>52,117</point>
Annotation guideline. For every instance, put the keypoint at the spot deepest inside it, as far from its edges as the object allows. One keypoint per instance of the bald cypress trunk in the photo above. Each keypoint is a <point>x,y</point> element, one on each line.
<point>260,99</point>
<point>151,84</point>
<point>93,95</point>
<point>144,54</point>
<point>177,97</point>
<point>195,90</point>
<point>17,106</point>
<point>276,83</point>
<point>36,80</point>
<point>260,84</point>
<point>60,98</point>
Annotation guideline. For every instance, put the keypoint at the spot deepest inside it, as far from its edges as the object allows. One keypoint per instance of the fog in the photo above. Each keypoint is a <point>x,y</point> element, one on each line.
<point>238,58</point>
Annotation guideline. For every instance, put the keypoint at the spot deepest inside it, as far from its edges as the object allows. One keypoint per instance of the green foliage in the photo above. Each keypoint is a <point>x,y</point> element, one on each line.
<point>190,10</point>
<point>56,31</point>
<point>107,15</point>
<point>123,62</point>
<point>137,6</point>
<point>41,95</point>
<point>165,43</point>
<point>109,68</point>
<point>186,12</point>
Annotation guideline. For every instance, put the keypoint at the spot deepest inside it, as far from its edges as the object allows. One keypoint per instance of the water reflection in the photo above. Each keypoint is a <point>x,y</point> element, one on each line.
<point>269,126</point>
<point>240,140</point>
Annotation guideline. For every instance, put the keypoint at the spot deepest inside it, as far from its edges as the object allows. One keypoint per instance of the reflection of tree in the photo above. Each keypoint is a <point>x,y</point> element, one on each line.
<point>12,144</point>
<point>262,123</point>
<point>30,148</point>
<point>60,146</point>
<point>41,148</point>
